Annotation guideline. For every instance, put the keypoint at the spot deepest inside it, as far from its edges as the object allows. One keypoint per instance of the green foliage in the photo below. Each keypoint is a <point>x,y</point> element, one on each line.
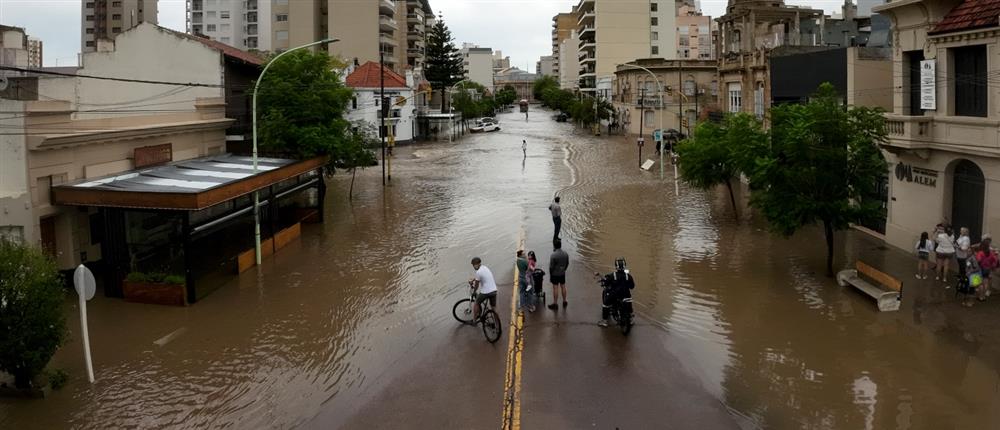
<point>301,105</point>
<point>358,150</point>
<point>443,67</point>
<point>547,90</point>
<point>541,84</point>
<point>58,378</point>
<point>32,325</point>
<point>583,111</point>
<point>174,280</point>
<point>716,153</point>
<point>506,96</point>
<point>155,278</point>
<point>472,101</point>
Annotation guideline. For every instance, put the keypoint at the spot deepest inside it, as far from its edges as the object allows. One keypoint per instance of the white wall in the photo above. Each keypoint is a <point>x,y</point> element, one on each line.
<point>367,110</point>
<point>145,52</point>
<point>569,64</point>
<point>15,202</point>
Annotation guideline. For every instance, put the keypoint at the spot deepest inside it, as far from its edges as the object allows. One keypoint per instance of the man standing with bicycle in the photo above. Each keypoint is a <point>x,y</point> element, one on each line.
<point>483,280</point>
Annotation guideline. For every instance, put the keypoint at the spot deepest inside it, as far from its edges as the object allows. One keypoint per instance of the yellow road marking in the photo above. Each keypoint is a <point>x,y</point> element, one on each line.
<point>515,344</point>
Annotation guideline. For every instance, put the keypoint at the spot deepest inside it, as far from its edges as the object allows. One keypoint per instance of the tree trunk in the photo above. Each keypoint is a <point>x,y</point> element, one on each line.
<point>732,197</point>
<point>350,194</point>
<point>828,232</point>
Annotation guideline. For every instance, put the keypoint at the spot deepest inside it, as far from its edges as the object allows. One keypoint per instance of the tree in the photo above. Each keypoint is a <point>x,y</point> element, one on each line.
<point>469,105</point>
<point>444,64</point>
<point>558,99</point>
<point>358,151</point>
<point>541,84</point>
<point>717,153</point>
<point>301,103</point>
<point>506,96</point>
<point>32,325</point>
<point>821,159</point>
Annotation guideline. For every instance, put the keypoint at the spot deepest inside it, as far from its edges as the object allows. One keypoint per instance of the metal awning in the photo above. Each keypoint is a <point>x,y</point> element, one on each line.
<point>185,185</point>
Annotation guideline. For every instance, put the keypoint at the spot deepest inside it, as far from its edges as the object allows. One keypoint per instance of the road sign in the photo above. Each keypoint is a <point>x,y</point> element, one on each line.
<point>642,141</point>
<point>658,135</point>
<point>648,165</point>
<point>83,281</point>
<point>684,122</point>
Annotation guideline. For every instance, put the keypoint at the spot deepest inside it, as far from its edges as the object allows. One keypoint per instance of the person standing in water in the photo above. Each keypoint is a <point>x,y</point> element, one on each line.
<point>524,148</point>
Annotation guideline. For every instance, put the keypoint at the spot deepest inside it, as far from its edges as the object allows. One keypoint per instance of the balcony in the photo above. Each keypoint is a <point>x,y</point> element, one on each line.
<point>587,30</point>
<point>414,35</point>
<point>586,18</point>
<point>587,45</point>
<point>588,59</point>
<point>251,5</point>
<point>414,19</point>
<point>196,5</point>
<point>387,40</point>
<point>251,29</point>
<point>951,133</point>
<point>387,7</point>
<point>387,24</point>
<point>251,17</point>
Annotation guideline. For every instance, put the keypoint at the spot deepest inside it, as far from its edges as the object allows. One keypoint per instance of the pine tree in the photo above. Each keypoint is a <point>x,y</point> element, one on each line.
<point>444,63</point>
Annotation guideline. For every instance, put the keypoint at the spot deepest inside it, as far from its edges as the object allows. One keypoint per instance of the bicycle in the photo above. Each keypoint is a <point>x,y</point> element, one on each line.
<point>462,311</point>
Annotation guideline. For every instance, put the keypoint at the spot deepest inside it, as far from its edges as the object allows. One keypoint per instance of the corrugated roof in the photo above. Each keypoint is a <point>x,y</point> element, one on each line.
<point>970,15</point>
<point>367,76</point>
<point>229,51</point>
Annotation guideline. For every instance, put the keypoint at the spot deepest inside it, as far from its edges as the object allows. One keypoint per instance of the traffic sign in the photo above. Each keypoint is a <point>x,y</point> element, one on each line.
<point>83,281</point>
<point>658,135</point>
<point>642,141</point>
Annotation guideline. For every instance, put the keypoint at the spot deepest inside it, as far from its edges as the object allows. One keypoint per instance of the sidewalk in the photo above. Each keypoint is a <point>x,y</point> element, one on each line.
<point>927,302</point>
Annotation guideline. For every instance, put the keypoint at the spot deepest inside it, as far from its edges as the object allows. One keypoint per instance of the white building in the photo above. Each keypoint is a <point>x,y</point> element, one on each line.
<point>366,105</point>
<point>546,66</point>
<point>478,64</point>
<point>569,63</point>
<point>663,29</point>
<point>244,24</point>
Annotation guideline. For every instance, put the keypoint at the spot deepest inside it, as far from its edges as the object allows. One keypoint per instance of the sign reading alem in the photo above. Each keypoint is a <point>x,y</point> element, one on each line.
<point>928,87</point>
<point>908,173</point>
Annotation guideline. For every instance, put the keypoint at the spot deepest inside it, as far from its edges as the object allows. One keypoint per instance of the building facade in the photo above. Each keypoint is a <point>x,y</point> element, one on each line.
<point>241,24</point>
<point>563,27</point>
<point>663,37</point>
<point>366,105</point>
<point>478,64</point>
<point>694,34</point>
<point>546,66</point>
<point>34,52</point>
<point>105,19</point>
<point>613,33</point>
<point>944,149</point>
<point>687,86</point>
<point>569,62</point>
<point>15,48</point>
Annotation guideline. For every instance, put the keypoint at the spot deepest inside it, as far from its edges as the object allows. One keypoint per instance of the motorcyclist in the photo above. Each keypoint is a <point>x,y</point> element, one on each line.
<point>618,286</point>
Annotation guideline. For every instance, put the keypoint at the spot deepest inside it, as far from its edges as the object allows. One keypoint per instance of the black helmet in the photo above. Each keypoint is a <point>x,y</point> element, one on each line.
<point>620,264</point>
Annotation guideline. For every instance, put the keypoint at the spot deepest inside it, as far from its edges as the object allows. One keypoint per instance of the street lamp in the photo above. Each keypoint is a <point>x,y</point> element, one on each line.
<point>256,194</point>
<point>452,108</point>
<point>660,90</point>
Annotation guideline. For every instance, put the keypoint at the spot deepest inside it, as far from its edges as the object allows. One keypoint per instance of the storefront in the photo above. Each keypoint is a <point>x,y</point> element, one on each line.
<point>191,222</point>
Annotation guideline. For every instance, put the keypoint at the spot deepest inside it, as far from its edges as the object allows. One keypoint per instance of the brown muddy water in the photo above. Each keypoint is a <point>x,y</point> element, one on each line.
<point>328,321</point>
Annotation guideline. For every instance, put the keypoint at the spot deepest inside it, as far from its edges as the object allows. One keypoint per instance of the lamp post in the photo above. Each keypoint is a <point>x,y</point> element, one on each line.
<point>643,114</point>
<point>452,108</point>
<point>256,194</point>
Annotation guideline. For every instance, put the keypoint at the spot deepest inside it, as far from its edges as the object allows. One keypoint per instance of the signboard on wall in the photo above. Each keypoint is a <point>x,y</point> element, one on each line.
<point>928,86</point>
<point>910,173</point>
<point>152,155</point>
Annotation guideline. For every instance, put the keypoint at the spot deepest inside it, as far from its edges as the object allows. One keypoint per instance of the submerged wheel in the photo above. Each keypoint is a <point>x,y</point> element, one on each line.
<point>463,311</point>
<point>625,323</point>
<point>491,326</point>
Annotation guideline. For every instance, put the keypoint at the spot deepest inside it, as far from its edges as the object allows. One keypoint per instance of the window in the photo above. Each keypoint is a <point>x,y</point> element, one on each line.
<point>210,27</point>
<point>225,40</point>
<point>282,17</point>
<point>90,4</point>
<point>90,17</point>
<point>224,14</point>
<point>116,4</point>
<point>684,30</point>
<point>652,7</point>
<point>116,17</point>
<point>654,36</point>
<point>90,43</point>
<point>971,82</point>
<point>913,59</point>
<point>735,96</point>
<point>354,103</point>
<point>90,31</point>
<point>224,27</point>
<point>281,35</point>
<point>654,21</point>
<point>758,101</point>
<point>656,50</point>
<point>116,29</point>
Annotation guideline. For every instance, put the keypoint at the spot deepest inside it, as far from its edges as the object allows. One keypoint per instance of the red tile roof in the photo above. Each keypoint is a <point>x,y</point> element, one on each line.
<point>226,50</point>
<point>367,76</point>
<point>970,15</point>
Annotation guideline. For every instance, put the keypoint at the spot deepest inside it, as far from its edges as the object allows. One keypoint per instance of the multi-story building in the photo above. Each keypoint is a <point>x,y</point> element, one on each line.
<point>34,52</point>
<point>943,149</point>
<point>478,64</point>
<point>412,18</point>
<point>563,26</point>
<point>694,34</point>
<point>688,86</point>
<point>500,63</point>
<point>14,47</point>
<point>243,24</point>
<point>104,19</point>
<point>611,33</point>
<point>569,63</point>
<point>749,30</point>
<point>546,66</point>
<point>663,29</point>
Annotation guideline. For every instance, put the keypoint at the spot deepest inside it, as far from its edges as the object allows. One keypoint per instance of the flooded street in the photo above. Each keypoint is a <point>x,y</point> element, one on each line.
<point>351,326</point>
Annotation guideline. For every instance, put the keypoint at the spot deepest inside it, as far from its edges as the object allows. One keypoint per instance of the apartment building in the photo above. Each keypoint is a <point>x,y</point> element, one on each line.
<point>546,66</point>
<point>500,63</point>
<point>612,33</point>
<point>943,149</point>
<point>663,37</point>
<point>415,19</point>
<point>478,63</point>
<point>244,24</point>
<point>694,34</point>
<point>569,62</point>
<point>14,47</point>
<point>104,19</point>
<point>34,52</point>
<point>563,26</point>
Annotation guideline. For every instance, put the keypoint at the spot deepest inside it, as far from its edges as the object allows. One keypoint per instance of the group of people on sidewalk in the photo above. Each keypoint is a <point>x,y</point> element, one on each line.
<point>976,262</point>
<point>530,278</point>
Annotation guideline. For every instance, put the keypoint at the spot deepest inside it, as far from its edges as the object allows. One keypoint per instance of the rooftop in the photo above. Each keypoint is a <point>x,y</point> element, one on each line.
<point>970,15</point>
<point>367,76</point>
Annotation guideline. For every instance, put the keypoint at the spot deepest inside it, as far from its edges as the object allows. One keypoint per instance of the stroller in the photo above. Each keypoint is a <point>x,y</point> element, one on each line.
<point>970,280</point>
<point>537,282</point>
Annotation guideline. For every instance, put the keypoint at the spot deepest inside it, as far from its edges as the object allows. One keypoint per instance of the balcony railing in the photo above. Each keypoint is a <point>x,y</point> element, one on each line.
<point>922,132</point>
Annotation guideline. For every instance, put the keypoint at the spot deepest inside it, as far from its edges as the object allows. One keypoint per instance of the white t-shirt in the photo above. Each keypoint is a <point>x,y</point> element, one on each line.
<point>963,247</point>
<point>945,244</point>
<point>485,277</point>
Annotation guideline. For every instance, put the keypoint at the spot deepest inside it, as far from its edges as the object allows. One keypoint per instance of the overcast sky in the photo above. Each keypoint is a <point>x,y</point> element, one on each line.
<point>519,28</point>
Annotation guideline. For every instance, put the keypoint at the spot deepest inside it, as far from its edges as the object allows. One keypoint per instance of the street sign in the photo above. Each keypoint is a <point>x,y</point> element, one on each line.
<point>658,135</point>
<point>648,165</point>
<point>642,141</point>
<point>83,281</point>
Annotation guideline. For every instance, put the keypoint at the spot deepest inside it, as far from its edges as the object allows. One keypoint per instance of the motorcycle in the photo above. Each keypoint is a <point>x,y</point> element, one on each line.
<point>621,310</point>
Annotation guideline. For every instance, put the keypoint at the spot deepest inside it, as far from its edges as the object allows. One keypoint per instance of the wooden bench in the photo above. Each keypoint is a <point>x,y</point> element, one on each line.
<point>886,290</point>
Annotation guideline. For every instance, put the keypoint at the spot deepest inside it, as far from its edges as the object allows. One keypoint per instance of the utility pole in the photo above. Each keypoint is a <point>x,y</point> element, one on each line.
<point>383,108</point>
<point>680,96</point>
<point>642,117</point>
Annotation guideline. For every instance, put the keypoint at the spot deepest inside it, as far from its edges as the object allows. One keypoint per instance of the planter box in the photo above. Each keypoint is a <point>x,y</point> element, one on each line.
<point>155,294</point>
